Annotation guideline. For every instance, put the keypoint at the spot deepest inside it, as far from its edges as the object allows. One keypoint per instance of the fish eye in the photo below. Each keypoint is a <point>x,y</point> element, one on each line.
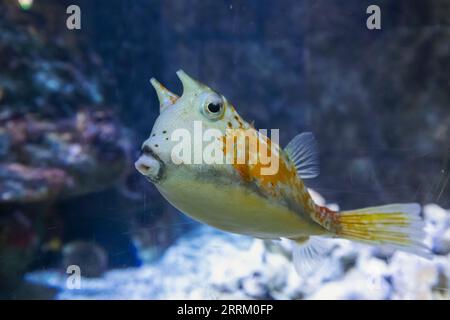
<point>212,106</point>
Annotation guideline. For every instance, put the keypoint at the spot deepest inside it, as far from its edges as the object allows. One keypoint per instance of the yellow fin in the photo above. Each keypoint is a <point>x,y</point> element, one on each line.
<point>396,225</point>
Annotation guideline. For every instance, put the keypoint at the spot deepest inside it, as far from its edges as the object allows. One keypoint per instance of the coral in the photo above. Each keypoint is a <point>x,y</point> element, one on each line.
<point>60,158</point>
<point>58,137</point>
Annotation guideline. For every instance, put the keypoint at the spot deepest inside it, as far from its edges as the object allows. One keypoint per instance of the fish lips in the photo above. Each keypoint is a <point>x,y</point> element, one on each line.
<point>150,165</point>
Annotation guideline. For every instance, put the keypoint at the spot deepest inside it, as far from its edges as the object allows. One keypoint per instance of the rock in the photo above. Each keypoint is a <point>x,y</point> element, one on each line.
<point>4,144</point>
<point>21,183</point>
<point>412,277</point>
<point>59,155</point>
<point>53,117</point>
<point>438,228</point>
<point>59,139</point>
<point>441,243</point>
<point>355,285</point>
<point>437,218</point>
<point>18,246</point>
<point>150,234</point>
<point>200,267</point>
<point>89,257</point>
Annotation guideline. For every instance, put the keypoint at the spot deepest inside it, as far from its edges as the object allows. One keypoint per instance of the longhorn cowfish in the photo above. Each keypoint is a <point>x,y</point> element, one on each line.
<point>246,197</point>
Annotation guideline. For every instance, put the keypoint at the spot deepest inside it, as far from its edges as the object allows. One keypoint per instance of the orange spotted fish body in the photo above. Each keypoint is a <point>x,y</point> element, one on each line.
<point>247,184</point>
<point>284,184</point>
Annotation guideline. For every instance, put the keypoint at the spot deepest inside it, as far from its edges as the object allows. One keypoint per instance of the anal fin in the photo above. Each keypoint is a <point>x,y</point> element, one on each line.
<point>309,254</point>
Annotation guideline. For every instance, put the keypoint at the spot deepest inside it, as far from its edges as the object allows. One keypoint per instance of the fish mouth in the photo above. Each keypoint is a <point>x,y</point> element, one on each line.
<point>150,165</point>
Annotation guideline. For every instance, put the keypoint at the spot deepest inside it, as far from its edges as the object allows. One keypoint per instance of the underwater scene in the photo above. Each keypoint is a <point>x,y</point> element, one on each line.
<point>229,149</point>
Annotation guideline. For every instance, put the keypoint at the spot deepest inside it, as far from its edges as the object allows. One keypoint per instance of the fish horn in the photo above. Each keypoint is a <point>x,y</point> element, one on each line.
<point>189,85</point>
<point>165,97</point>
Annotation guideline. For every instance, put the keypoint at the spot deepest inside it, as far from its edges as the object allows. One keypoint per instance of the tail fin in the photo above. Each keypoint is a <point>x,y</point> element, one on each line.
<point>396,225</point>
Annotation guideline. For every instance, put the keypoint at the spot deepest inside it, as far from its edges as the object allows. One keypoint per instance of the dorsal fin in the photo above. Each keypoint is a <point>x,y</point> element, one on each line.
<point>304,153</point>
